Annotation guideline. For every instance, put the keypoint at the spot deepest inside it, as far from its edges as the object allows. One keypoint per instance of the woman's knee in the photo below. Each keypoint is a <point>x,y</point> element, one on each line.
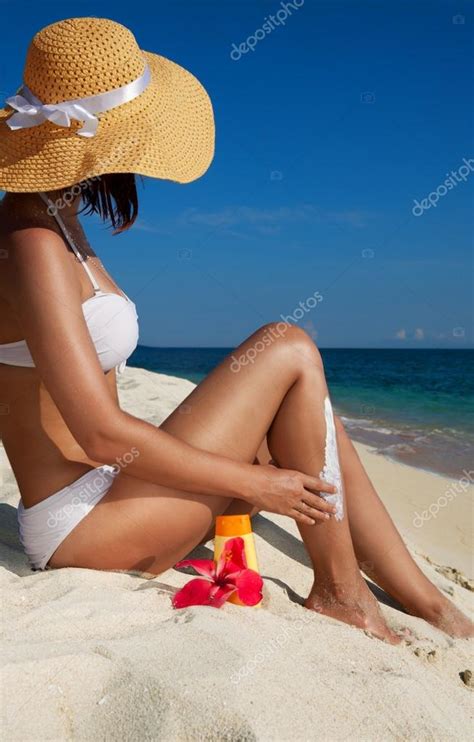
<point>292,341</point>
<point>280,347</point>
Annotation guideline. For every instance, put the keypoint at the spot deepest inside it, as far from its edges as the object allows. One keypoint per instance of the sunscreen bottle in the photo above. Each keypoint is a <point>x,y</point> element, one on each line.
<point>231,526</point>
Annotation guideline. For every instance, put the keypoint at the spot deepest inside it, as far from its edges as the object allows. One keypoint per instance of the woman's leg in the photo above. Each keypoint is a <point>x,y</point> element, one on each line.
<point>338,589</point>
<point>145,526</point>
<point>379,548</point>
<point>383,556</point>
<point>274,383</point>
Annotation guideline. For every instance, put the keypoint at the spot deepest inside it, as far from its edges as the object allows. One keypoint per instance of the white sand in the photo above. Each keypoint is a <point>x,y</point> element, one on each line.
<point>103,656</point>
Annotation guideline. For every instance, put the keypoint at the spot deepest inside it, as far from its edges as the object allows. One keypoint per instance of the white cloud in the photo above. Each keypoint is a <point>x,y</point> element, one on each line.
<point>266,218</point>
<point>401,334</point>
<point>247,215</point>
<point>144,226</point>
<point>419,333</point>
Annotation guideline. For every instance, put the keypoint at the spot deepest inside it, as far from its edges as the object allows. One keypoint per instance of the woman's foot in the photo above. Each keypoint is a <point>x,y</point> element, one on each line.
<point>353,605</point>
<point>445,616</point>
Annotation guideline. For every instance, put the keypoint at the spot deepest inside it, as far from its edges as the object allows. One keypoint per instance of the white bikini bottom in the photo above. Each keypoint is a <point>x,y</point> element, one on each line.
<point>44,526</point>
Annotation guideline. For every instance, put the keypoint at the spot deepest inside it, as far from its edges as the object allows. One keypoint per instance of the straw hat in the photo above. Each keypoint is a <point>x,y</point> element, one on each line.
<point>93,102</point>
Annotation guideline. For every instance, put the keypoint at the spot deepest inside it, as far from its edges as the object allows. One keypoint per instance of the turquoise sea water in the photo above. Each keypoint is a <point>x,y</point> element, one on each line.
<point>416,406</point>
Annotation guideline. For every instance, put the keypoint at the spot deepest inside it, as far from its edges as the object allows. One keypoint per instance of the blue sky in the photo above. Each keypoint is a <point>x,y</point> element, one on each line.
<point>326,133</point>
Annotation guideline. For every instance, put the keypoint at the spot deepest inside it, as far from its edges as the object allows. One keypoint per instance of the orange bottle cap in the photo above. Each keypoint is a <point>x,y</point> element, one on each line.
<point>233,525</point>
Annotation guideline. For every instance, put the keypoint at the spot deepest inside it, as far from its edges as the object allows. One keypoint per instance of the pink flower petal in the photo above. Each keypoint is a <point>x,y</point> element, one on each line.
<point>249,586</point>
<point>222,593</point>
<point>232,558</point>
<point>195,592</point>
<point>205,567</point>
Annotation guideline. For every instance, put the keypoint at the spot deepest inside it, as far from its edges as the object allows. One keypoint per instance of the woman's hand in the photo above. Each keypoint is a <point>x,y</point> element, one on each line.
<point>290,493</point>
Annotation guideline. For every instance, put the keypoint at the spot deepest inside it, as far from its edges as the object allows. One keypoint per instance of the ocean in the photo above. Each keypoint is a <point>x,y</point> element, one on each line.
<point>416,406</point>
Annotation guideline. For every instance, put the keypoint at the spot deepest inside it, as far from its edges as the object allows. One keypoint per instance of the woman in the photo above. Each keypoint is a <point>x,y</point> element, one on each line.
<point>100,488</point>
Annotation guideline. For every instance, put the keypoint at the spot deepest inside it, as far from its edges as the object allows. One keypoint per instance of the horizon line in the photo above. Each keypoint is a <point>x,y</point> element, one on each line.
<point>334,347</point>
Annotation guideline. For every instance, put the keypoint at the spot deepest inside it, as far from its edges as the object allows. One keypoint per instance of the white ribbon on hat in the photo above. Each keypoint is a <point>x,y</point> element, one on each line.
<point>32,112</point>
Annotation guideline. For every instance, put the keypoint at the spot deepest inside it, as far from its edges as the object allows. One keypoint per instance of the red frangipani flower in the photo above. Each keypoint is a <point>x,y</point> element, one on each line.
<point>229,575</point>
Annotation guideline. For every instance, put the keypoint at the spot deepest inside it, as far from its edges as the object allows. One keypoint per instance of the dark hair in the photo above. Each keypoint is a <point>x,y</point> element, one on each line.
<point>113,196</point>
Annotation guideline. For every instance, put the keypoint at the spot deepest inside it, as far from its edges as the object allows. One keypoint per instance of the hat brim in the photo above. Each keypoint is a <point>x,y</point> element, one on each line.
<point>166,132</point>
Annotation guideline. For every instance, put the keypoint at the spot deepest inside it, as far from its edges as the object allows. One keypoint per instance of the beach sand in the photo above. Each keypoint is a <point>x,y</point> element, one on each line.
<point>103,656</point>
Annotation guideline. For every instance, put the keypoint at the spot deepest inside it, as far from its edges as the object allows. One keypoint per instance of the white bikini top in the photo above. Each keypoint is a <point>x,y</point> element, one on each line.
<point>111,319</point>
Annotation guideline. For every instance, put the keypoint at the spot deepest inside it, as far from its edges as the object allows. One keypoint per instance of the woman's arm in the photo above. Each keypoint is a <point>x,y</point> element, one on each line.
<point>48,303</point>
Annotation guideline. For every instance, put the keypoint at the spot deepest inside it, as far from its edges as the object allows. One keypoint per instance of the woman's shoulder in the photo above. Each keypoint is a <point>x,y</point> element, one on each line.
<point>27,247</point>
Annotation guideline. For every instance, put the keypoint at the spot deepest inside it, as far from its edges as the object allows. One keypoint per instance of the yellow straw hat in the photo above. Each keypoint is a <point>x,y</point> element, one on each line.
<point>93,102</point>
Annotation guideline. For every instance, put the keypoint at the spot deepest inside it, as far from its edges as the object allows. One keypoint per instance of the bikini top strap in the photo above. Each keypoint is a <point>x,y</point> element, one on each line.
<point>68,237</point>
